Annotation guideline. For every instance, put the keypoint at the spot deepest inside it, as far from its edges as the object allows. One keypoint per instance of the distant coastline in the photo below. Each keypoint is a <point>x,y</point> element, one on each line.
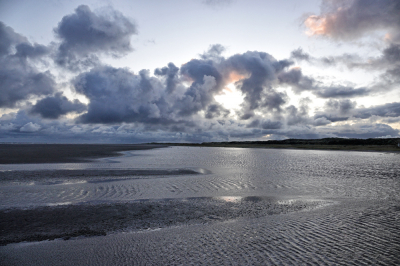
<point>373,144</point>
<point>71,153</point>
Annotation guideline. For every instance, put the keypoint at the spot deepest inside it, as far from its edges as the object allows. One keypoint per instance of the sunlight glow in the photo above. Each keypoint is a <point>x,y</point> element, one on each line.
<point>231,98</point>
<point>317,25</point>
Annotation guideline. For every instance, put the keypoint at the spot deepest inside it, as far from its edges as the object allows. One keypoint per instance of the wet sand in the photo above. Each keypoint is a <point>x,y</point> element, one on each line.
<point>64,153</point>
<point>64,222</point>
<point>210,206</point>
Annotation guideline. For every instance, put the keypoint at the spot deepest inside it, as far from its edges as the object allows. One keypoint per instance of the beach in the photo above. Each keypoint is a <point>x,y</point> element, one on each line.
<point>203,205</point>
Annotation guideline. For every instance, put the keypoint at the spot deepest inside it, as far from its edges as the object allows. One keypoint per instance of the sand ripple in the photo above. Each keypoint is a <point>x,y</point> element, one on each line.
<point>205,206</point>
<point>358,234</point>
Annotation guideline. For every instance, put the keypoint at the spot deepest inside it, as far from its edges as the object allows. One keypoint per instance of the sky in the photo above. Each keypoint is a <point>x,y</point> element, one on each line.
<point>100,71</point>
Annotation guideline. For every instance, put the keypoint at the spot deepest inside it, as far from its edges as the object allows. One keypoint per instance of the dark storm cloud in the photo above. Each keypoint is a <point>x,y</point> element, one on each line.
<point>19,79</point>
<point>364,130</point>
<point>260,72</point>
<point>295,78</point>
<point>294,116</point>
<point>341,92</point>
<point>336,110</point>
<point>26,50</point>
<point>117,95</point>
<point>267,124</point>
<point>19,83</point>
<point>177,103</point>
<point>55,106</point>
<point>196,70</point>
<point>197,97</point>
<point>216,110</point>
<point>340,106</point>
<point>171,75</point>
<point>207,81</point>
<point>329,117</point>
<point>385,110</point>
<point>351,19</point>
<point>392,53</point>
<point>85,34</point>
<point>8,39</point>
<point>343,110</point>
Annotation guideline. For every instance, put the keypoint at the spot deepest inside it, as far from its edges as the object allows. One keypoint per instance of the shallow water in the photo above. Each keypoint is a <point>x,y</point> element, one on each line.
<point>213,206</point>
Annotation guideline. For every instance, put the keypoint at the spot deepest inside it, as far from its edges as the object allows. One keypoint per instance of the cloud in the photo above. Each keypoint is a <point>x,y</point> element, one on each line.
<point>341,92</point>
<point>86,34</point>
<point>170,73</point>
<point>299,55</point>
<point>30,127</point>
<point>352,19</point>
<point>181,96</point>
<point>197,97</point>
<point>340,106</point>
<point>297,115</point>
<point>389,59</point>
<point>8,39</point>
<point>364,130</point>
<point>19,78</point>
<point>196,69</point>
<point>385,110</point>
<point>386,68</point>
<point>117,95</point>
<point>217,3</point>
<point>53,107</point>
<point>342,110</point>
<point>265,124</point>
<point>214,52</point>
<point>295,78</point>
<point>177,103</point>
<point>207,81</point>
<point>350,60</point>
<point>26,50</point>
<point>253,73</point>
<point>335,111</point>
<point>392,53</point>
<point>299,83</point>
<point>260,71</point>
<point>215,111</point>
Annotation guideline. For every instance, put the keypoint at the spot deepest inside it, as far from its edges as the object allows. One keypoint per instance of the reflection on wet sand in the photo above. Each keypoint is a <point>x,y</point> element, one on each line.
<point>173,205</point>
